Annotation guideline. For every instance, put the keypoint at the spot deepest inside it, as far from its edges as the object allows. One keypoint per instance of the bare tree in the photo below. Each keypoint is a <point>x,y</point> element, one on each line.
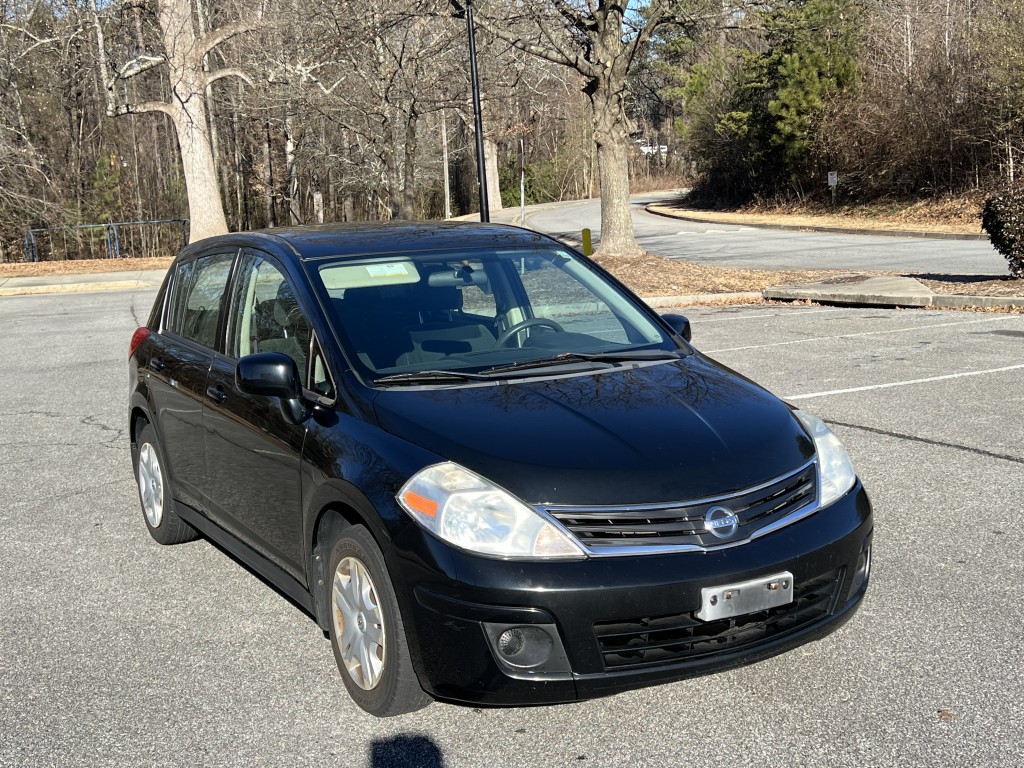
<point>184,54</point>
<point>25,187</point>
<point>601,40</point>
<point>375,73</point>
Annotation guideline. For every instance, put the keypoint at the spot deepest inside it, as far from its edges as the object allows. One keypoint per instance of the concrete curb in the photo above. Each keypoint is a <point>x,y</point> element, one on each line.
<point>957,301</point>
<point>659,209</point>
<point>938,301</point>
<point>114,285</point>
<point>86,282</point>
<point>662,302</point>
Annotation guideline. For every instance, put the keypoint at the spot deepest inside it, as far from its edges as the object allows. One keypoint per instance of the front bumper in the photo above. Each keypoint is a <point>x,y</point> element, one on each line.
<point>623,622</point>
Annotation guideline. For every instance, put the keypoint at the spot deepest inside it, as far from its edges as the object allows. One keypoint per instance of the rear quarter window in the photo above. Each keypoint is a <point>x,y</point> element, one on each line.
<point>197,296</point>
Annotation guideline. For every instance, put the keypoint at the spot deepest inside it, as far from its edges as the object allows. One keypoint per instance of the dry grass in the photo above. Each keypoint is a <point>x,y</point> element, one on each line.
<point>652,275</point>
<point>976,285</point>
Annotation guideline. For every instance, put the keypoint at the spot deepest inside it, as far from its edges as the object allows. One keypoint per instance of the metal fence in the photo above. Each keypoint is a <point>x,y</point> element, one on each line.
<point>116,240</point>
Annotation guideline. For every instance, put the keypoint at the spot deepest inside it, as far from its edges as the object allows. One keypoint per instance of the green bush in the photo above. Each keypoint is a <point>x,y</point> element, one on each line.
<point>1003,220</point>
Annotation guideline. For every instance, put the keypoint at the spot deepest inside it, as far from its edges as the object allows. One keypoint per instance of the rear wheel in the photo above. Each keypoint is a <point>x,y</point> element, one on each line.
<point>155,493</point>
<point>366,629</point>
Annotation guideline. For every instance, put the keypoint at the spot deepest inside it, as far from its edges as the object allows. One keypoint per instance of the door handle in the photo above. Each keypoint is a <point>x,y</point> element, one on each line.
<point>157,364</point>
<point>217,394</point>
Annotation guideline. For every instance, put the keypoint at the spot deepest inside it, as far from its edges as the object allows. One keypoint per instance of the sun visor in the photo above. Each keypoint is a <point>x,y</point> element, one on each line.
<point>343,276</point>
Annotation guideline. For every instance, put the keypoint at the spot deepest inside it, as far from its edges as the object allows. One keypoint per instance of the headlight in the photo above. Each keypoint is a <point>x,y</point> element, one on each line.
<point>467,511</point>
<point>835,470</point>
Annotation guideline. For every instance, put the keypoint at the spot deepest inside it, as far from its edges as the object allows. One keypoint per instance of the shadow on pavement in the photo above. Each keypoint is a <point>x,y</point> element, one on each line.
<point>959,278</point>
<point>403,750</point>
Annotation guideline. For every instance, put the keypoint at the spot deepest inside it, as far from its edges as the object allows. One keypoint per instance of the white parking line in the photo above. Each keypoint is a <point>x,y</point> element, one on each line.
<point>712,231</point>
<point>706,320</point>
<point>864,333</point>
<point>906,383</point>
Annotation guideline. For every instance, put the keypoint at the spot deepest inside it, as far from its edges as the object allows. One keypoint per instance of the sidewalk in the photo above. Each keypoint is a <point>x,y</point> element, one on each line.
<point>865,290</point>
<point>96,281</point>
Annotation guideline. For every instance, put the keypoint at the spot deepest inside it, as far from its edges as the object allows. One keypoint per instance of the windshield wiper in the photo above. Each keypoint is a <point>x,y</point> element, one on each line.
<point>563,358</point>
<point>640,355</point>
<point>428,377</point>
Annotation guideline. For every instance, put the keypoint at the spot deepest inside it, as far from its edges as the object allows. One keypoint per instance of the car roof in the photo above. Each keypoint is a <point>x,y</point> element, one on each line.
<point>370,238</point>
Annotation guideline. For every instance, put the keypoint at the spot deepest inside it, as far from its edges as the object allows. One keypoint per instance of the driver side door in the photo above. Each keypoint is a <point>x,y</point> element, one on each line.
<point>253,453</point>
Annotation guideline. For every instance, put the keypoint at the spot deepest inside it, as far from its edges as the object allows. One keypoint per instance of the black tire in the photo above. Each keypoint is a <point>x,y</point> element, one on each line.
<point>385,686</point>
<point>155,493</point>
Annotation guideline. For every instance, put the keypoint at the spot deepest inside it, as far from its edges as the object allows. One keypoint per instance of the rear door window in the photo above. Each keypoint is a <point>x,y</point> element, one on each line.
<point>197,297</point>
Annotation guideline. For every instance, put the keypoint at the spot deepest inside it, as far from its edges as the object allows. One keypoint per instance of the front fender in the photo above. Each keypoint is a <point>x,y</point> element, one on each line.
<point>356,468</point>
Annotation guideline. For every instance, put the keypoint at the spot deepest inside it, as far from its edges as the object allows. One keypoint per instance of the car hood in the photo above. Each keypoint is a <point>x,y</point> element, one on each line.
<point>672,431</point>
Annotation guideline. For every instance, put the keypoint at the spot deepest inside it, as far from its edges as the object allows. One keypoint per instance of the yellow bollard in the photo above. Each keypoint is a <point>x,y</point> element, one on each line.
<point>588,246</point>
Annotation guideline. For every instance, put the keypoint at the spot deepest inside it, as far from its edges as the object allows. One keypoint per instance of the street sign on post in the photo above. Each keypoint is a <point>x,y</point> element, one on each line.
<point>833,182</point>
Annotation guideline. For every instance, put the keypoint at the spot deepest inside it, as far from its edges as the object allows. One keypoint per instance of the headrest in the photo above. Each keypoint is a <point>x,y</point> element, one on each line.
<point>284,303</point>
<point>438,298</point>
<point>377,299</point>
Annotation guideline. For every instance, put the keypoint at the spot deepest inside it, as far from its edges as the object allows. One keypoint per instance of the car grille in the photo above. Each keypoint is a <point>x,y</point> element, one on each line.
<point>604,530</point>
<point>650,641</point>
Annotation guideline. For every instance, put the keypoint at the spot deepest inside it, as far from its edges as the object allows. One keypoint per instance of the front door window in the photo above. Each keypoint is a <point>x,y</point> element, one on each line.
<point>266,316</point>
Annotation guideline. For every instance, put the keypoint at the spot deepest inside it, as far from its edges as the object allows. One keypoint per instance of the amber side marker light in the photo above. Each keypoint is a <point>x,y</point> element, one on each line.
<point>420,504</point>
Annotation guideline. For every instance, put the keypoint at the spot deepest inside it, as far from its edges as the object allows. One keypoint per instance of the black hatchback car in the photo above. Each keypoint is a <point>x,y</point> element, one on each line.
<point>487,470</point>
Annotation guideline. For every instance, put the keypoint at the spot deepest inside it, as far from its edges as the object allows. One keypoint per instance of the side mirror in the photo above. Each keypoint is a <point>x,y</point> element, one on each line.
<point>272,374</point>
<point>679,324</point>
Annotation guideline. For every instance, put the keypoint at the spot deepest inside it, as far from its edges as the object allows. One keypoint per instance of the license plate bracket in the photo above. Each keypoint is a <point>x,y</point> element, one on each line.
<point>741,598</point>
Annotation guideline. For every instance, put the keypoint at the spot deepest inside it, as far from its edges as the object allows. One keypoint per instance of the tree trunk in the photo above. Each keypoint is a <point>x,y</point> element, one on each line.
<point>493,180</point>
<point>445,170</point>
<point>202,17</point>
<point>189,115</point>
<point>291,173</point>
<point>241,193</point>
<point>268,178</point>
<point>206,211</point>
<point>408,208</point>
<point>318,204</point>
<point>611,135</point>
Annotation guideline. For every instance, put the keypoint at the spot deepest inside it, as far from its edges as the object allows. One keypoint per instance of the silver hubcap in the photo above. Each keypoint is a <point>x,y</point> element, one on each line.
<point>151,485</point>
<point>359,624</point>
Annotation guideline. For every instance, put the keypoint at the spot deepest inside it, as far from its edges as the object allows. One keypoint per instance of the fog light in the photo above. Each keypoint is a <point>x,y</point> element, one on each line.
<point>863,568</point>
<point>528,651</point>
<point>525,647</point>
<point>510,643</point>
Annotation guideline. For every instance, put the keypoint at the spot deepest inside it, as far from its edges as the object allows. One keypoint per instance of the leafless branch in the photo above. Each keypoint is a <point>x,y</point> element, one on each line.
<point>227,72</point>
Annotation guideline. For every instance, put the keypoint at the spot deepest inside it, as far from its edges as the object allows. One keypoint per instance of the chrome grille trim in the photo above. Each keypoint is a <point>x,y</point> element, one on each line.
<point>558,514</point>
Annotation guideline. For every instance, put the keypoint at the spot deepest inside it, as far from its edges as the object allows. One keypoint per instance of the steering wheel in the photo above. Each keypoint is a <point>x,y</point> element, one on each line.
<point>503,338</point>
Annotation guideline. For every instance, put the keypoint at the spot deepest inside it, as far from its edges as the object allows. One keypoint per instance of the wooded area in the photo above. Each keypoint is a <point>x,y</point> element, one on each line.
<point>338,110</point>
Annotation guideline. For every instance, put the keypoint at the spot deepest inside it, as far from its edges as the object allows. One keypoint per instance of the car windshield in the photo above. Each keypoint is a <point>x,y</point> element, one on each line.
<point>413,316</point>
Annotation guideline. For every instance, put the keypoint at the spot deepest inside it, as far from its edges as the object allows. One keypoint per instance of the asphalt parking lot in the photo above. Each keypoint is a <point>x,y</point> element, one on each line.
<point>116,651</point>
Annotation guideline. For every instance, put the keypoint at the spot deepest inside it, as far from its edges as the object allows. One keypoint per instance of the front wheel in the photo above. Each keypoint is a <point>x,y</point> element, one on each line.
<point>155,493</point>
<point>366,629</point>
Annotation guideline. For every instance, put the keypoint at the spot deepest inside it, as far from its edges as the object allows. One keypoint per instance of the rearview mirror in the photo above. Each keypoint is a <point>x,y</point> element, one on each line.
<point>272,374</point>
<point>679,324</point>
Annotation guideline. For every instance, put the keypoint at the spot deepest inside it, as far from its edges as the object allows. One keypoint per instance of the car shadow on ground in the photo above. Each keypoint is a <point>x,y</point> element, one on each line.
<point>404,750</point>
<point>940,278</point>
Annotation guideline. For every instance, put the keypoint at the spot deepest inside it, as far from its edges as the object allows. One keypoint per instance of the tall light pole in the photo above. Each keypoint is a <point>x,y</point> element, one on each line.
<point>481,172</point>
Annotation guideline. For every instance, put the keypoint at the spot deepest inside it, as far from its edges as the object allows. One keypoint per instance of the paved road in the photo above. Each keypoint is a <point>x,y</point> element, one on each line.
<point>115,651</point>
<point>735,246</point>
